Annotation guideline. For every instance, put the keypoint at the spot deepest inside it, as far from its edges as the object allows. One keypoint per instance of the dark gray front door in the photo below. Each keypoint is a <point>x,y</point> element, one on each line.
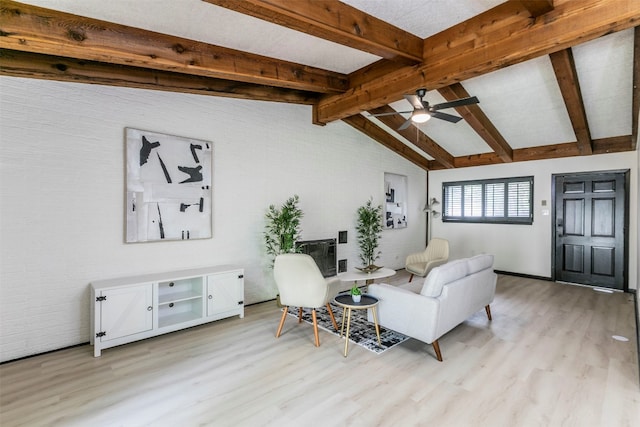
<point>590,215</point>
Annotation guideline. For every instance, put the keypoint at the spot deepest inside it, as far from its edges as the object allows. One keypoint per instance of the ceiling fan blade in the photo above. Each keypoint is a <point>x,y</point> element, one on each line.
<point>415,101</point>
<point>405,125</point>
<point>444,116</point>
<point>389,114</point>
<point>457,103</point>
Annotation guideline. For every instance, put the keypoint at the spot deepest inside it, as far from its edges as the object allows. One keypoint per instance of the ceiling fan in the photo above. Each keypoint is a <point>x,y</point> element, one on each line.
<point>422,111</point>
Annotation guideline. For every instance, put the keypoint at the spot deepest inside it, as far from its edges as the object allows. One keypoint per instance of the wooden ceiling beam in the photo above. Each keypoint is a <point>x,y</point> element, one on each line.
<point>379,135</point>
<point>335,21</point>
<point>567,77</point>
<point>536,7</point>
<point>635,107</point>
<point>373,71</point>
<point>414,135</point>
<point>615,144</point>
<point>38,30</point>
<point>478,120</point>
<point>47,67</point>
<point>503,36</point>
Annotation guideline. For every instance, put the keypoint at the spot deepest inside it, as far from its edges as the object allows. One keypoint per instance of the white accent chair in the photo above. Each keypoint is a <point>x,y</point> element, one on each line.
<point>421,263</point>
<point>301,284</point>
<point>449,295</point>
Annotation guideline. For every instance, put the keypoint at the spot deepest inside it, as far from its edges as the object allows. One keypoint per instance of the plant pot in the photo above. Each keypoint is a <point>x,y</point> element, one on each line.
<point>356,298</point>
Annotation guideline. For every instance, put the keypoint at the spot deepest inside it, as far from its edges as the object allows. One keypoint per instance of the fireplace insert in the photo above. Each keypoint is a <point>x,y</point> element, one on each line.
<point>323,252</point>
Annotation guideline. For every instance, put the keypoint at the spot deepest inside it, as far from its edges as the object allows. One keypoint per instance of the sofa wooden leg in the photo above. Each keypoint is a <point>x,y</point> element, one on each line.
<point>315,327</point>
<point>488,310</point>
<point>436,347</point>
<point>333,319</point>
<point>300,315</point>
<point>410,278</point>
<point>284,315</point>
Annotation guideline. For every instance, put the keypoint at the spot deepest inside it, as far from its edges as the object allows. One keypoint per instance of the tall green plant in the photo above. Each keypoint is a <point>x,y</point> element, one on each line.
<point>282,228</point>
<point>369,227</point>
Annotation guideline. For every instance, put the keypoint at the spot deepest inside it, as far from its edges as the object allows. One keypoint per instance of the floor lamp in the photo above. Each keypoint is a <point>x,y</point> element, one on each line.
<point>431,214</point>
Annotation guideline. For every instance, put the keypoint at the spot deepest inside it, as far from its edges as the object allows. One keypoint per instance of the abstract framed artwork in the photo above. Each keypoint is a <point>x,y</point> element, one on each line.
<point>396,195</point>
<point>168,187</point>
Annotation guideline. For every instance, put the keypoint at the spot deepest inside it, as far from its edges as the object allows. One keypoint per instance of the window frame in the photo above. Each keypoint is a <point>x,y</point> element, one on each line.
<point>483,218</point>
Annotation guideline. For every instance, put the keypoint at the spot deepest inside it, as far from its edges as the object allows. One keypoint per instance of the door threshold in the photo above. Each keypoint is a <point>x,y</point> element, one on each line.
<point>595,288</point>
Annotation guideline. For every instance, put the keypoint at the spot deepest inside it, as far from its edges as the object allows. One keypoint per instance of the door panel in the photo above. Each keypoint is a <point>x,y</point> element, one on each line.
<point>603,261</point>
<point>574,217</point>
<point>590,227</point>
<point>603,217</point>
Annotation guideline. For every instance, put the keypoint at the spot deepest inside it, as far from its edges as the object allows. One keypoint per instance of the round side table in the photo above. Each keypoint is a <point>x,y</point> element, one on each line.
<point>346,302</point>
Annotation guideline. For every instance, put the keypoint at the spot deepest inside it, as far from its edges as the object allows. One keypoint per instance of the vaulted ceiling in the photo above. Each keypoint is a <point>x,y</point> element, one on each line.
<point>555,78</point>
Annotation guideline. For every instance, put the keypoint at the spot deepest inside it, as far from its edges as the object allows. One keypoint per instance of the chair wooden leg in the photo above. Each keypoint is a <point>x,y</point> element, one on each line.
<point>410,278</point>
<point>436,347</point>
<point>284,315</point>
<point>315,327</point>
<point>488,310</point>
<point>300,315</point>
<point>333,319</point>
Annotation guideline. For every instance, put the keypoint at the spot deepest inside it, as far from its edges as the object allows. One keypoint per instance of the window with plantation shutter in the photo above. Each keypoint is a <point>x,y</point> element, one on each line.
<point>503,200</point>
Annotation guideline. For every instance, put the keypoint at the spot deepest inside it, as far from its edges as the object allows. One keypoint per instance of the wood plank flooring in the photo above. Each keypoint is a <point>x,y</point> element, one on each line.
<point>547,359</point>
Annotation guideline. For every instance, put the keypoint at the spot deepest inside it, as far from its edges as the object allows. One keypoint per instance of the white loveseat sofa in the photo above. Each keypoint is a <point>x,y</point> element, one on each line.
<point>426,310</point>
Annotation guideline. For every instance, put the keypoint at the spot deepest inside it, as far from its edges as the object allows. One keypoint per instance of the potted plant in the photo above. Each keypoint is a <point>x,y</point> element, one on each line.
<point>368,228</point>
<point>282,229</point>
<point>356,293</point>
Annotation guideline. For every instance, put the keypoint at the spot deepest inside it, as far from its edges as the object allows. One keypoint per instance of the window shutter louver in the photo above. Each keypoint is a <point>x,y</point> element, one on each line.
<point>504,200</point>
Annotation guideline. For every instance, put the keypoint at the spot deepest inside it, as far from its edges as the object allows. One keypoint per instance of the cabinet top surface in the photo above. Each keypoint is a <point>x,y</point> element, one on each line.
<point>169,275</point>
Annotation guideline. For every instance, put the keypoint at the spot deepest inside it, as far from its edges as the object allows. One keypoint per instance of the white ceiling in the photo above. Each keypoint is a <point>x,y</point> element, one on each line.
<point>523,101</point>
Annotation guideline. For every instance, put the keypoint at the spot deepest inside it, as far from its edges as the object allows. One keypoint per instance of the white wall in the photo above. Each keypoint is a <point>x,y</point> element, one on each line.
<point>526,249</point>
<point>62,195</point>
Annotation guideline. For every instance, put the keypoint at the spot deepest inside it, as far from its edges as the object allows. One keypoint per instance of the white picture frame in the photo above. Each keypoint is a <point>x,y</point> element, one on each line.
<point>168,187</point>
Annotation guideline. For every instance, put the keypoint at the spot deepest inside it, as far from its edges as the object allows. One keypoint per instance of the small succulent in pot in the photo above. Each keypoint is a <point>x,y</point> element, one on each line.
<point>356,293</point>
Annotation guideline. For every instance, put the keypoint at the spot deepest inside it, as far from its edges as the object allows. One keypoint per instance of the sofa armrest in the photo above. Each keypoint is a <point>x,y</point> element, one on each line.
<point>405,311</point>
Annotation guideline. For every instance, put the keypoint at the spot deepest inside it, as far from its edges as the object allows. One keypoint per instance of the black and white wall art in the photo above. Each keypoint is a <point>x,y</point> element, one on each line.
<point>168,187</point>
<point>396,196</point>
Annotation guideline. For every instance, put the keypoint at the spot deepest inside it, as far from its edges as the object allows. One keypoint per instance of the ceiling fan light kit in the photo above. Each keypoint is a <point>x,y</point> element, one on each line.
<point>422,111</point>
<point>420,116</point>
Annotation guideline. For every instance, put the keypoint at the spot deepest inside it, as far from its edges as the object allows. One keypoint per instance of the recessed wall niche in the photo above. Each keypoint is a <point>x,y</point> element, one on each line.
<point>395,208</point>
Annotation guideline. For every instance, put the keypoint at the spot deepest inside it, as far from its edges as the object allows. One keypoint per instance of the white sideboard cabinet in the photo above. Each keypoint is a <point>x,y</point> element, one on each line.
<point>128,309</point>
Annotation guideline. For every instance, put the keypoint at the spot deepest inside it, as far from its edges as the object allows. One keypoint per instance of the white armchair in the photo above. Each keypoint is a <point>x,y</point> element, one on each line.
<point>421,263</point>
<point>301,284</point>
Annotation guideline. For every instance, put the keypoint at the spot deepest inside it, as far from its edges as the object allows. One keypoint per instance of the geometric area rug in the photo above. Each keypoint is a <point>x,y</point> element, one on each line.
<point>362,331</point>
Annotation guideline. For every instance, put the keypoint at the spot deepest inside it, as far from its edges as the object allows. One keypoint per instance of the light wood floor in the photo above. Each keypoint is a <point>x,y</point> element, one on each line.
<point>547,359</point>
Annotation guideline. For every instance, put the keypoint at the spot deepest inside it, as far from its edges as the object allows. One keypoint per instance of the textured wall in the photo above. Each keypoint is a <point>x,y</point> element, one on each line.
<point>62,184</point>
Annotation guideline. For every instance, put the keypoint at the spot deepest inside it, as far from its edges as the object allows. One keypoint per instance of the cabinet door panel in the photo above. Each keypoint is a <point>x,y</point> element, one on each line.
<point>223,293</point>
<point>126,311</point>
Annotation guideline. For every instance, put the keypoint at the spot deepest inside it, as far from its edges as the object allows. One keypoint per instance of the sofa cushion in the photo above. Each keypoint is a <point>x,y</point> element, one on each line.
<point>479,262</point>
<point>440,276</point>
